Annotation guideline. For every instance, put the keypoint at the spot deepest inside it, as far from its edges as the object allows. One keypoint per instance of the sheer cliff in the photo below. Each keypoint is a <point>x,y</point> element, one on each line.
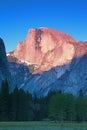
<point>55,62</point>
<point>4,69</point>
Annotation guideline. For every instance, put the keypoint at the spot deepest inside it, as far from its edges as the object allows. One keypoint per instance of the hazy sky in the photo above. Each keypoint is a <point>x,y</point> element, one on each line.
<point>18,16</point>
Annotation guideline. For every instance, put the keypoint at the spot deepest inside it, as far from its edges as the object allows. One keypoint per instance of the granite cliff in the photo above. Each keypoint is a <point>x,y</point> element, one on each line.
<point>4,68</point>
<point>55,61</point>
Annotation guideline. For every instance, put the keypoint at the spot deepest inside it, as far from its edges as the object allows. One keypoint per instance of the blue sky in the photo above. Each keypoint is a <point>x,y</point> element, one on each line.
<point>18,16</point>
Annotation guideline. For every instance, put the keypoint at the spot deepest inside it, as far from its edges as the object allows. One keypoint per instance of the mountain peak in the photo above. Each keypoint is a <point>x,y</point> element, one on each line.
<point>46,48</point>
<point>57,61</point>
<point>53,32</point>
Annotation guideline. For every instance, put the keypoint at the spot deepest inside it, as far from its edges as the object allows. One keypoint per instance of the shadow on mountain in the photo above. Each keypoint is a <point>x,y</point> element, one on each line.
<point>68,78</point>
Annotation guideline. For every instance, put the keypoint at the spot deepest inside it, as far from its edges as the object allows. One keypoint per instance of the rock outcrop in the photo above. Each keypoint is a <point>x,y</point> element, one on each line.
<point>56,62</point>
<point>45,48</point>
<point>4,71</point>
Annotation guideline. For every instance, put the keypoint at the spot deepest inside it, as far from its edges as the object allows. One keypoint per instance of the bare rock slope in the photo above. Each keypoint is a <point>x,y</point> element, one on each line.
<point>45,48</point>
<point>56,62</point>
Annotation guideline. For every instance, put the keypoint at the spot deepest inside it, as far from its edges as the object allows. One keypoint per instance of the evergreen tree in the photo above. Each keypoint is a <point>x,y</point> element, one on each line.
<point>70,107</point>
<point>20,107</point>
<point>4,102</point>
<point>15,104</point>
<point>43,108</point>
<point>57,107</point>
<point>81,109</point>
<point>29,107</point>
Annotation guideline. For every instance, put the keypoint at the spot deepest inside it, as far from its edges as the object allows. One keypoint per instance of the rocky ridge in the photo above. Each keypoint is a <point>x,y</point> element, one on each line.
<point>56,62</point>
<point>45,48</point>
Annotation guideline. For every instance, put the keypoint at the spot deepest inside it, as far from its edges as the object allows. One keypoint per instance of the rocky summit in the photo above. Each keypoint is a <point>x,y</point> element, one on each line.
<point>49,60</point>
<point>45,48</point>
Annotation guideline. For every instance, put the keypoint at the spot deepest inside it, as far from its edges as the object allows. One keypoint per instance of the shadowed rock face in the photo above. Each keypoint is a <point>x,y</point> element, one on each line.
<point>4,71</point>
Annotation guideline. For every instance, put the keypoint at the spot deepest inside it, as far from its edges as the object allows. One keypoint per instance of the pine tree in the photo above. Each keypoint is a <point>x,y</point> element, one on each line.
<point>57,107</point>
<point>70,107</point>
<point>4,101</point>
<point>22,108</point>
<point>15,104</point>
<point>81,109</point>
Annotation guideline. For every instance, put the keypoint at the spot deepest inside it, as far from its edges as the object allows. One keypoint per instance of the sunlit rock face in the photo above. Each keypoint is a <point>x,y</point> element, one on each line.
<point>56,62</point>
<point>4,71</point>
<point>46,48</point>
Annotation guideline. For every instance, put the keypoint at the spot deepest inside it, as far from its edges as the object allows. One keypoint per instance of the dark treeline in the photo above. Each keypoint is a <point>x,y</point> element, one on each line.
<point>21,106</point>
